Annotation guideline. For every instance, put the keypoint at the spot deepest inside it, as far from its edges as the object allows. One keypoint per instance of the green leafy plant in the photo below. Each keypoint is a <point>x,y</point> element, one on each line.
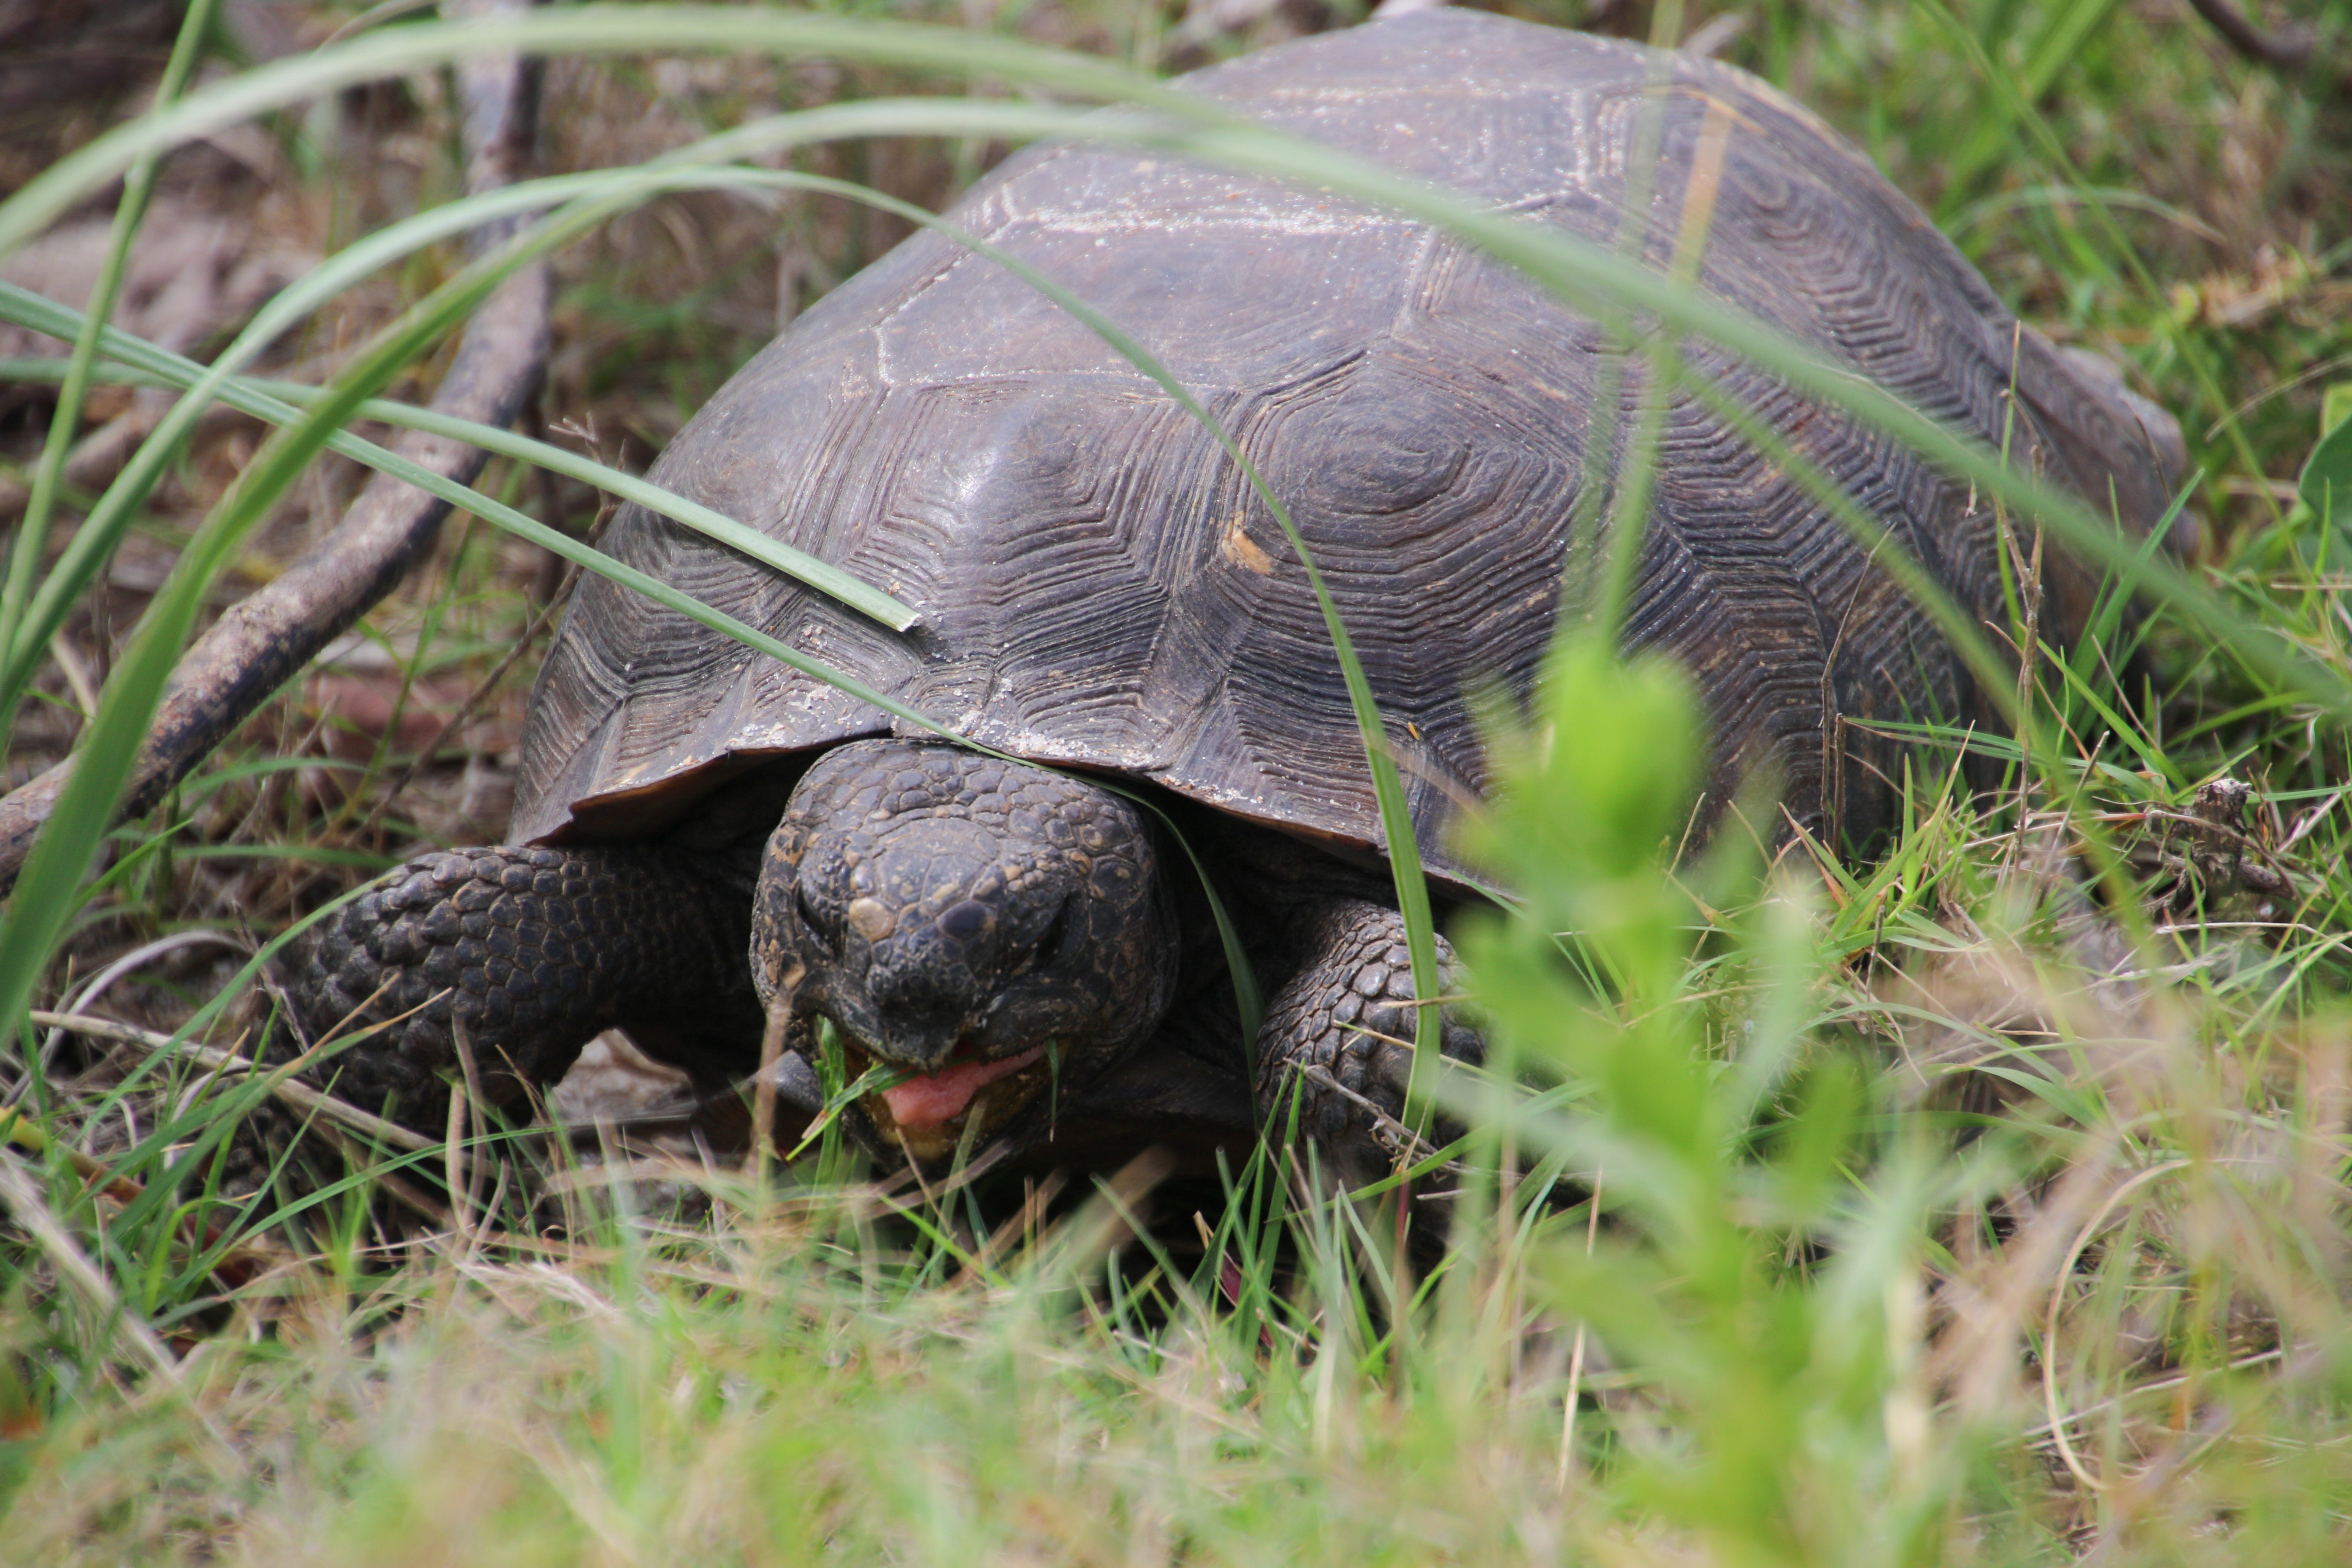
<point>1760,1270</point>
<point>2327,473</point>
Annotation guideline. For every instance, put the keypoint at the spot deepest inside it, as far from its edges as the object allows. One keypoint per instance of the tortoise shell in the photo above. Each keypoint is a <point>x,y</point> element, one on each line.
<point>1099,588</point>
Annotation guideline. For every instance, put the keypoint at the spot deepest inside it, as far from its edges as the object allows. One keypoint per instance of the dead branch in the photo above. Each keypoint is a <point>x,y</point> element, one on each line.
<point>2292,49</point>
<point>265,640</point>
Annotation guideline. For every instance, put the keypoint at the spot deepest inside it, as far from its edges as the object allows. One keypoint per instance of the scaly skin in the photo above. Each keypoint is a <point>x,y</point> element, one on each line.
<point>535,950</point>
<point>935,903</point>
<point>1347,1018</point>
<point>938,905</point>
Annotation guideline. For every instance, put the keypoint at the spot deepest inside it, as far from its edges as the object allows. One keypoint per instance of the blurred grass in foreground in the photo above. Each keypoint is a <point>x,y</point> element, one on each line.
<point>1917,1212</point>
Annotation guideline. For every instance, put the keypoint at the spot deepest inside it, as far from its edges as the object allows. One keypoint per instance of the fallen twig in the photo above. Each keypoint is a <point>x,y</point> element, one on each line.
<point>257,646</point>
<point>2292,49</point>
<point>1393,1135</point>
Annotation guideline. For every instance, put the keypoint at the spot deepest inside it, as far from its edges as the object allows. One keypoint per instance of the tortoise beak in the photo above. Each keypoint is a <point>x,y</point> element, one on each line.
<point>917,1045</point>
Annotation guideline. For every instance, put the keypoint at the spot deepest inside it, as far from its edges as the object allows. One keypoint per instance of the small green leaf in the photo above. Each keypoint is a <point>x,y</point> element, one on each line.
<point>875,1080</point>
<point>2328,474</point>
<point>2335,407</point>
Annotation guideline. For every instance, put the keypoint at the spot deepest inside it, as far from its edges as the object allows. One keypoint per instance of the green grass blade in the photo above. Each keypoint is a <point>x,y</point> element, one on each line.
<point>108,521</point>
<point>2016,104</point>
<point>48,473</point>
<point>581,31</point>
<point>49,885</point>
<point>1579,270</point>
<point>99,532</point>
<point>2056,45</point>
<point>51,880</point>
<point>255,397</point>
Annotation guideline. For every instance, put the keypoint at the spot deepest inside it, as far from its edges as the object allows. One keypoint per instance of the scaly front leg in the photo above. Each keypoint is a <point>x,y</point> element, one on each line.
<point>534,952</point>
<point>1339,1038</point>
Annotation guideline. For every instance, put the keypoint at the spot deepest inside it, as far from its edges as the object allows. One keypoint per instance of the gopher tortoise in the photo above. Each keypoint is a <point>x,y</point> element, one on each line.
<point>1102,595</point>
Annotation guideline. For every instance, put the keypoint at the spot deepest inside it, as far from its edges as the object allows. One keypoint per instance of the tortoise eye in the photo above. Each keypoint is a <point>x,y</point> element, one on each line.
<point>814,924</point>
<point>966,921</point>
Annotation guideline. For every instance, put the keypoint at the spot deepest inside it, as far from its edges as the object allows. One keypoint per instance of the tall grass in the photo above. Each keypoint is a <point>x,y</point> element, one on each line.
<point>1935,1210</point>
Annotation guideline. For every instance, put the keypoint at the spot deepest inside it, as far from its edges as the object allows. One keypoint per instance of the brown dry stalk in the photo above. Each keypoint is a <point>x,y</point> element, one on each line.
<point>21,1197</point>
<point>763,1092</point>
<point>1976,1359</point>
<point>299,1096</point>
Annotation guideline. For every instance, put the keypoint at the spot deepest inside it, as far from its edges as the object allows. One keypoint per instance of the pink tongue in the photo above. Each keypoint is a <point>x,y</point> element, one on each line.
<point>937,1097</point>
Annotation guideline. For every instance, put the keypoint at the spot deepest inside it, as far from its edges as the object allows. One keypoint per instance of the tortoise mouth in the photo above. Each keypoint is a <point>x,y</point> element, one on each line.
<point>932,1115</point>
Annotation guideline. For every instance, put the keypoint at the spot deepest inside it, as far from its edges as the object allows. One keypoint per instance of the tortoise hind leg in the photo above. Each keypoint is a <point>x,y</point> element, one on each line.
<point>1339,1037</point>
<point>535,951</point>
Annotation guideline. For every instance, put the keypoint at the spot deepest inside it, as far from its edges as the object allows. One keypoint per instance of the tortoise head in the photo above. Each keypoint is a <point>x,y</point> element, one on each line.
<point>996,931</point>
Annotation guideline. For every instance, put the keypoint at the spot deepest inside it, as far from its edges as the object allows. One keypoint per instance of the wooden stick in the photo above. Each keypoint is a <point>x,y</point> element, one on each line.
<point>2292,49</point>
<point>266,640</point>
